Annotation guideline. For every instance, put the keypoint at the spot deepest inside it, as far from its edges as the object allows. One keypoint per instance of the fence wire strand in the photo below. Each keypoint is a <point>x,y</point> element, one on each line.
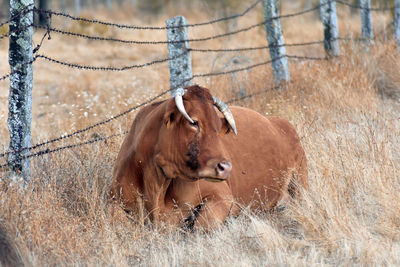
<point>245,29</point>
<point>243,49</point>
<point>200,75</point>
<point>62,137</point>
<point>159,61</point>
<point>57,149</point>
<point>135,27</point>
<point>87,67</point>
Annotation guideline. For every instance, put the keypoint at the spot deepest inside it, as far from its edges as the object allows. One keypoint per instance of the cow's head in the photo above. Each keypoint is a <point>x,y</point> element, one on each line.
<point>189,145</point>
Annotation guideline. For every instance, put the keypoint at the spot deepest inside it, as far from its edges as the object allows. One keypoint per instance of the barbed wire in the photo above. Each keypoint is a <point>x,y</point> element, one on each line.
<point>16,70</point>
<point>98,139</point>
<point>16,31</point>
<point>3,36</point>
<point>135,27</point>
<point>100,38</point>
<point>34,51</point>
<point>57,149</point>
<point>125,26</point>
<point>62,137</point>
<point>87,67</point>
<point>202,75</point>
<point>242,49</point>
<point>252,94</point>
<point>46,151</point>
<point>210,74</point>
<point>5,76</point>
<point>111,39</point>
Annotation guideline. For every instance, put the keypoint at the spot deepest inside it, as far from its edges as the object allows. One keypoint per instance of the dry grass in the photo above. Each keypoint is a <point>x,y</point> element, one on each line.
<point>350,133</point>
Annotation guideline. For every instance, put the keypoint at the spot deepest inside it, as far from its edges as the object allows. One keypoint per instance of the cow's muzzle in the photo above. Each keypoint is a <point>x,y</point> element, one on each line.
<point>216,171</point>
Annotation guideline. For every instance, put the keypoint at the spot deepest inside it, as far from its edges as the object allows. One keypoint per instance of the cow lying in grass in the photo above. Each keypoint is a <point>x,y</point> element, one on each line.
<point>192,165</point>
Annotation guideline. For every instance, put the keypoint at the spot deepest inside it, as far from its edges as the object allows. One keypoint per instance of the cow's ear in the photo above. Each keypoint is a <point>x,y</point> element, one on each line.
<point>225,129</point>
<point>170,113</point>
<point>169,118</point>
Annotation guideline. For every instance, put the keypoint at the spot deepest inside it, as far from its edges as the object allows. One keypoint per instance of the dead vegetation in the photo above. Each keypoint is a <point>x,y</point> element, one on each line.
<point>346,111</point>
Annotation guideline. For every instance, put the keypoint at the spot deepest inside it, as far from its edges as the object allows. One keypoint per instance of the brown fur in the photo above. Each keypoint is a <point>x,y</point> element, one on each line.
<point>152,165</point>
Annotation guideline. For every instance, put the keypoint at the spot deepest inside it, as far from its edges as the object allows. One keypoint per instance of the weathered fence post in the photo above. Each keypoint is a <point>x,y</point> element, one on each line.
<point>109,4</point>
<point>277,49</point>
<point>43,17</point>
<point>77,7</point>
<point>366,22</point>
<point>20,97</point>
<point>397,22</point>
<point>180,63</point>
<point>329,23</point>
<point>63,6</point>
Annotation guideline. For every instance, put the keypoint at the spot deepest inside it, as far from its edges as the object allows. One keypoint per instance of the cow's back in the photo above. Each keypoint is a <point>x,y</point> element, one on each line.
<point>266,154</point>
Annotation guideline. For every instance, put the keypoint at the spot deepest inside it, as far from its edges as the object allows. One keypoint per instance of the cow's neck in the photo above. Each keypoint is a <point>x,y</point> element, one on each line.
<point>155,193</point>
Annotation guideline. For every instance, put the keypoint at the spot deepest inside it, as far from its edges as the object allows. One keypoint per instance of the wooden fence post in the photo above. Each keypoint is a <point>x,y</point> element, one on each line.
<point>43,17</point>
<point>77,7</point>
<point>329,23</point>
<point>109,4</point>
<point>180,66</point>
<point>366,22</point>
<point>20,97</point>
<point>397,22</point>
<point>277,49</point>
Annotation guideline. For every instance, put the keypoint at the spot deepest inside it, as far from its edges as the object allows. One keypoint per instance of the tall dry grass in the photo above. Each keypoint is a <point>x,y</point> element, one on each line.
<point>346,111</point>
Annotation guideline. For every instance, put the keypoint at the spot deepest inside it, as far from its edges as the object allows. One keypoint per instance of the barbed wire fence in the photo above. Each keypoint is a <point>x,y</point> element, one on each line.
<point>275,44</point>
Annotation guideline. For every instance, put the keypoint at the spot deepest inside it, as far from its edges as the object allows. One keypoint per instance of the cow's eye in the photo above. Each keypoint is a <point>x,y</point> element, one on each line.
<point>194,124</point>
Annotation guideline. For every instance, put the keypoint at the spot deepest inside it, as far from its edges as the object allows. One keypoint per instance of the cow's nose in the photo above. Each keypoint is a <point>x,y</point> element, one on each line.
<point>223,170</point>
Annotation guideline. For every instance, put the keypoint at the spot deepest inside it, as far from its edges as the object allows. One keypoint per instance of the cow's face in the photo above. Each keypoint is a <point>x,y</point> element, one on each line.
<point>193,151</point>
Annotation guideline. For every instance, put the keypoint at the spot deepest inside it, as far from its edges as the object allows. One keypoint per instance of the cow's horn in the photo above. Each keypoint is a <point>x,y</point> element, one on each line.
<point>227,113</point>
<point>179,103</point>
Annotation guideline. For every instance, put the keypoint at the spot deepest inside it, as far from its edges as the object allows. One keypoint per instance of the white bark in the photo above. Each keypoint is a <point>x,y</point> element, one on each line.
<point>366,21</point>
<point>275,40</point>
<point>180,68</point>
<point>330,26</point>
<point>20,97</point>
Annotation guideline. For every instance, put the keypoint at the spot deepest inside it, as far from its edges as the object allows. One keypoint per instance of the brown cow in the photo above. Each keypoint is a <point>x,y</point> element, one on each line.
<point>186,161</point>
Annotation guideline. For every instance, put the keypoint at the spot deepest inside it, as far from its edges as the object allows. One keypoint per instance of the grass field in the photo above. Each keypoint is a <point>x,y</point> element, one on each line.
<point>346,111</point>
